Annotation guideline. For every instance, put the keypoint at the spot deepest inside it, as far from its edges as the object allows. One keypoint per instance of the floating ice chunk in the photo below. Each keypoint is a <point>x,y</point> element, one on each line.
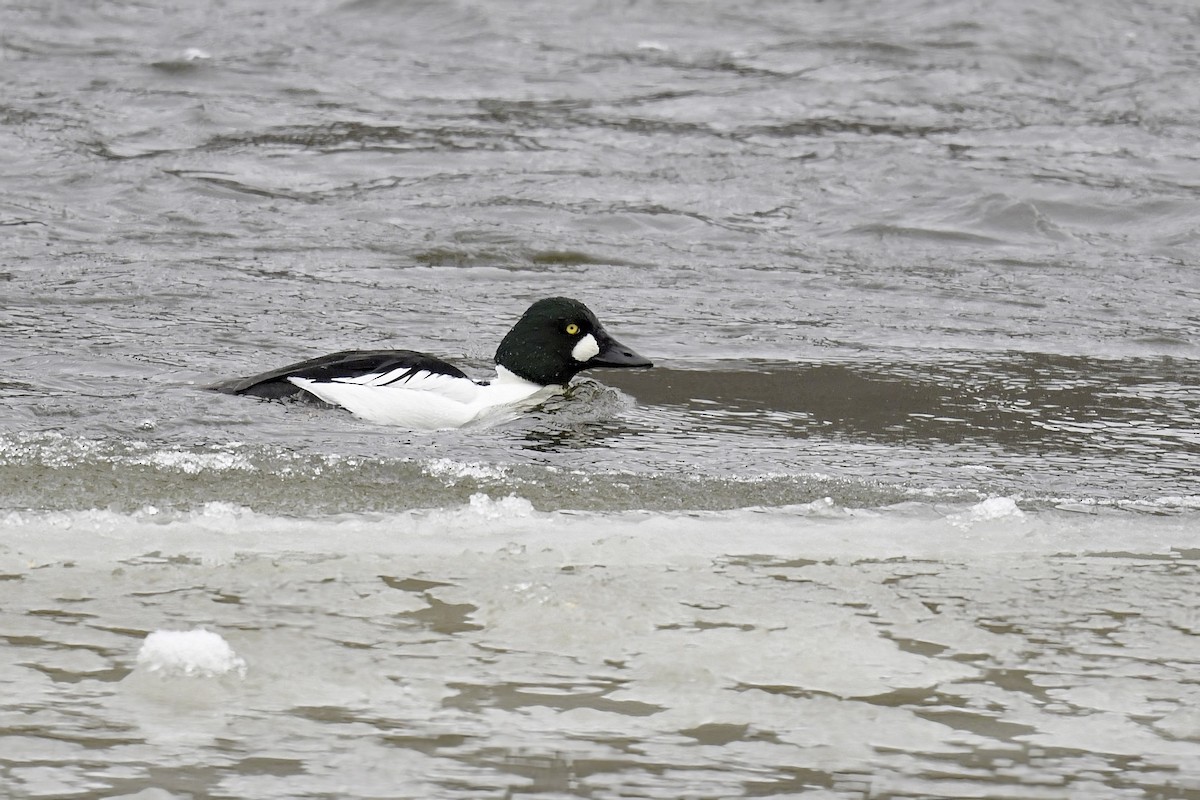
<point>191,654</point>
<point>196,54</point>
<point>509,506</point>
<point>995,508</point>
<point>822,507</point>
<point>481,508</point>
<point>991,509</point>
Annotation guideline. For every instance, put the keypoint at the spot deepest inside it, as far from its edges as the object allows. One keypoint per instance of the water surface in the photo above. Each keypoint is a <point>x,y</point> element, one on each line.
<point>907,507</point>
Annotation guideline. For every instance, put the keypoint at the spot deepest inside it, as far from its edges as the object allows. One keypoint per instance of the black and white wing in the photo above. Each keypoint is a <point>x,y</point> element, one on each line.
<point>399,368</point>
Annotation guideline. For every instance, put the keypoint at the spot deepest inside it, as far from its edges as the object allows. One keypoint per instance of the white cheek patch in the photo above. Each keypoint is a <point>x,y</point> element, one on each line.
<point>585,349</point>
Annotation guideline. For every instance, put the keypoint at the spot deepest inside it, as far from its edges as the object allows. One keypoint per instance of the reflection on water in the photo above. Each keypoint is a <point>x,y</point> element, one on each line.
<point>1042,424</point>
<point>1033,401</point>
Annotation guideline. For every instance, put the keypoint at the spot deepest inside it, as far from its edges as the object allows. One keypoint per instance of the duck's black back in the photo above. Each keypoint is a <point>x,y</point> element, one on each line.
<point>274,385</point>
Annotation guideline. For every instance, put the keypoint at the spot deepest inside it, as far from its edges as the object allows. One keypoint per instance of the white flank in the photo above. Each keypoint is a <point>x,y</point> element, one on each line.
<point>430,401</point>
<point>585,349</point>
<point>439,383</point>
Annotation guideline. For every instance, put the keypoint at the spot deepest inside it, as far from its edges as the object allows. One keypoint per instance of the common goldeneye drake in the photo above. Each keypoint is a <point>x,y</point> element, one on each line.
<point>553,341</point>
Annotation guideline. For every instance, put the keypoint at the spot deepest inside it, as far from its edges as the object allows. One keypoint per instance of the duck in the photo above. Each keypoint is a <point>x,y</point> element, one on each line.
<point>553,341</point>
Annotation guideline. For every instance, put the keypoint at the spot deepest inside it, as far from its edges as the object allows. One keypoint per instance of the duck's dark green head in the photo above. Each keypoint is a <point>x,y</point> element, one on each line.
<point>559,337</point>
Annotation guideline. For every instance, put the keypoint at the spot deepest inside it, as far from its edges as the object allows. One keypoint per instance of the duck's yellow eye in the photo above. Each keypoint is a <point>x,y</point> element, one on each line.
<point>572,329</point>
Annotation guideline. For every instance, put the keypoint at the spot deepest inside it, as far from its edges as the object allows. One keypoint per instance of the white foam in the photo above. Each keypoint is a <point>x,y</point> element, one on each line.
<point>197,653</point>
<point>54,449</point>
<point>1191,501</point>
<point>195,463</point>
<point>453,471</point>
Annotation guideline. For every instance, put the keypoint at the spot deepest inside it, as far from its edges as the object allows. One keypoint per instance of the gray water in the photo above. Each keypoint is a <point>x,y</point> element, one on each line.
<point>908,507</point>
